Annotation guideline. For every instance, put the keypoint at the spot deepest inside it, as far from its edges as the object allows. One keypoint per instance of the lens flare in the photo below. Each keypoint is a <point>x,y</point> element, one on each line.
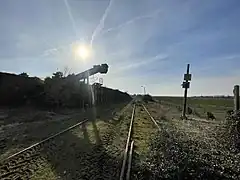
<point>83,52</point>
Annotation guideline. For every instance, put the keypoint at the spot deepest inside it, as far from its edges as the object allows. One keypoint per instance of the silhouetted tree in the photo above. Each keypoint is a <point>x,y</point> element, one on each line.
<point>47,79</point>
<point>57,75</point>
<point>24,74</point>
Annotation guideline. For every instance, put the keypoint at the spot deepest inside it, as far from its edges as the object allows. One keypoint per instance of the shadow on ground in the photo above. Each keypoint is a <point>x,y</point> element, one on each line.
<point>107,113</point>
<point>19,136</point>
<point>83,154</point>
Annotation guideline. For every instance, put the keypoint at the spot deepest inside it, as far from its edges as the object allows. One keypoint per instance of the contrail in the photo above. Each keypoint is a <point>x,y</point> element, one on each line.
<point>71,17</point>
<point>143,62</point>
<point>55,50</point>
<point>59,49</point>
<point>151,15</point>
<point>100,26</point>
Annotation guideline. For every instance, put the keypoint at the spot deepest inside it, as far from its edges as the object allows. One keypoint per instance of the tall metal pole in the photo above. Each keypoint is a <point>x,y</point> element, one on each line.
<point>185,94</point>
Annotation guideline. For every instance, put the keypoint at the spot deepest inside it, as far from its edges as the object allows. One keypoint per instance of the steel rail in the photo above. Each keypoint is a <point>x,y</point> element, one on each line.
<point>53,136</point>
<point>129,152</point>
<point>153,120</point>
<point>130,161</point>
<point>45,140</point>
<point>127,145</point>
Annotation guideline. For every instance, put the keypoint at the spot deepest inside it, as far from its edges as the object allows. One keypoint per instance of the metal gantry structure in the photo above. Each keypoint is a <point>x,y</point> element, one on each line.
<point>102,69</point>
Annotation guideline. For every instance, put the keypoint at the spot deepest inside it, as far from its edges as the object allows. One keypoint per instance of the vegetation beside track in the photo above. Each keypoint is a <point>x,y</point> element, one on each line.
<point>189,150</point>
<point>182,149</point>
<point>201,105</point>
<point>88,152</point>
<point>143,130</point>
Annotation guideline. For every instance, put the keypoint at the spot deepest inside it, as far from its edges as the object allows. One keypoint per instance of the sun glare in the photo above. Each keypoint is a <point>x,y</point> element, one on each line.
<point>82,52</point>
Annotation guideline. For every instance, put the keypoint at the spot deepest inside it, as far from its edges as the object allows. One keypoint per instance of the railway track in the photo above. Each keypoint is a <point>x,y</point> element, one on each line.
<point>25,163</point>
<point>136,135</point>
<point>16,165</point>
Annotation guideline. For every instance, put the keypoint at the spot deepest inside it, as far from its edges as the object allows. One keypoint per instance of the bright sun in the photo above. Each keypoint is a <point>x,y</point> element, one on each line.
<point>82,51</point>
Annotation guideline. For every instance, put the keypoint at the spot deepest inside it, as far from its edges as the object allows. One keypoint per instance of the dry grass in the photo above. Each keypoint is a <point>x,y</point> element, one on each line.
<point>183,149</point>
<point>190,150</point>
<point>218,106</point>
<point>85,152</point>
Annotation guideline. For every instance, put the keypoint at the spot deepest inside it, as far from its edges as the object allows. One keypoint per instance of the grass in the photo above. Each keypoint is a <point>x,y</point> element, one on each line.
<point>45,173</point>
<point>218,106</point>
<point>189,150</point>
<point>91,151</point>
<point>84,152</point>
<point>207,102</point>
<point>182,149</point>
<point>143,131</point>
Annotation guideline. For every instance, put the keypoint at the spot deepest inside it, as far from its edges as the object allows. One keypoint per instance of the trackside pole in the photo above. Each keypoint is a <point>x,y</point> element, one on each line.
<point>186,85</point>
<point>236,98</point>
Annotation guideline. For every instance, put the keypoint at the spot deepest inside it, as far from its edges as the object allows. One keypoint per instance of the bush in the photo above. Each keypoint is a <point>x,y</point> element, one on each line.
<point>233,125</point>
<point>210,116</point>
<point>147,98</point>
<point>53,92</point>
<point>189,110</point>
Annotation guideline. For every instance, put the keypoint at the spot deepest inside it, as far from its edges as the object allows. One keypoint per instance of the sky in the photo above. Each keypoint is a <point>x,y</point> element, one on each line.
<point>145,42</point>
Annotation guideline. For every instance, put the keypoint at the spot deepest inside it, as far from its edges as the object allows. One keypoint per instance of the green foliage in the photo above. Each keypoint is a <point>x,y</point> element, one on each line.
<point>24,74</point>
<point>233,127</point>
<point>147,98</point>
<point>47,80</point>
<point>57,91</point>
<point>57,75</point>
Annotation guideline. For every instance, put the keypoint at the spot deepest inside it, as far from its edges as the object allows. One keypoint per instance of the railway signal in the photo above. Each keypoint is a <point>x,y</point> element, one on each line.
<point>186,86</point>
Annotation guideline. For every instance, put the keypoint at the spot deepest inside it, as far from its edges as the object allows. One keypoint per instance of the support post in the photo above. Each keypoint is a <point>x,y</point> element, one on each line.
<point>144,90</point>
<point>88,80</point>
<point>89,92</point>
<point>185,93</point>
<point>83,102</point>
<point>236,98</point>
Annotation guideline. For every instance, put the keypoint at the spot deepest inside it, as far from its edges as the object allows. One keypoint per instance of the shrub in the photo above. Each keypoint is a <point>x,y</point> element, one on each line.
<point>233,126</point>
<point>147,98</point>
<point>210,116</point>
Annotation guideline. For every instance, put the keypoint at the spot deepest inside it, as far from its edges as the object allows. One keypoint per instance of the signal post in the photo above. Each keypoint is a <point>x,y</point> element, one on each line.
<point>186,86</point>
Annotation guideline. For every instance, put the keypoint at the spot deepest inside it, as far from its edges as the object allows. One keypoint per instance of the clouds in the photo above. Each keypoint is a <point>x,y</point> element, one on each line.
<point>71,17</point>
<point>100,26</point>
<point>145,43</point>
<point>131,21</point>
<point>130,66</point>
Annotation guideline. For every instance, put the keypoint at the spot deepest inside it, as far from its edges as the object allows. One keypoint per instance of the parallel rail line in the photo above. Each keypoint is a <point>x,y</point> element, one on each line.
<point>129,149</point>
<point>9,165</point>
<point>47,139</point>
